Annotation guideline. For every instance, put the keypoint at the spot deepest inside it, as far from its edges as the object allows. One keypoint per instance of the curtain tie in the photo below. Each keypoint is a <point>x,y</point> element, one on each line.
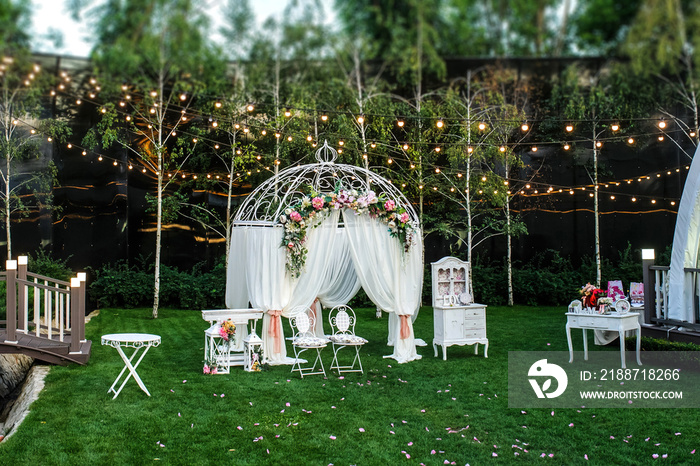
<point>313,309</point>
<point>275,329</point>
<point>405,330</point>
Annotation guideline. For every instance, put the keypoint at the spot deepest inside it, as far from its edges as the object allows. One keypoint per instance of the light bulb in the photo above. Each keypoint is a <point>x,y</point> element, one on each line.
<point>524,127</point>
<point>615,127</point>
<point>440,124</point>
<point>482,126</point>
<point>361,119</point>
<point>662,124</point>
<point>569,128</point>
<point>400,123</point>
<point>250,107</point>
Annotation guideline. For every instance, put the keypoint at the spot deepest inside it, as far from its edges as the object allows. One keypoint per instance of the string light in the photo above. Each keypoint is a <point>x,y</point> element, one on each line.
<point>482,126</point>
<point>630,141</point>
<point>660,138</point>
<point>287,113</point>
<point>615,127</point>
<point>569,128</point>
<point>524,127</point>
<point>567,147</point>
<point>250,107</point>
<point>400,123</point>
<point>662,124</point>
<point>440,123</point>
<point>361,119</point>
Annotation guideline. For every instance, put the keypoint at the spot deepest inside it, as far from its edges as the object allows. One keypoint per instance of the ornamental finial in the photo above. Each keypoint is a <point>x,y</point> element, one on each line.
<point>326,154</point>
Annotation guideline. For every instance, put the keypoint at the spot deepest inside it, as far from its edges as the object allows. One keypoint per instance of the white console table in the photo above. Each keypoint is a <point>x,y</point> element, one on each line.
<point>611,322</point>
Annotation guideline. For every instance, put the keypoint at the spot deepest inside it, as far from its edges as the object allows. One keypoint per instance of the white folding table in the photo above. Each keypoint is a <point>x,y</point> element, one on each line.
<point>138,341</point>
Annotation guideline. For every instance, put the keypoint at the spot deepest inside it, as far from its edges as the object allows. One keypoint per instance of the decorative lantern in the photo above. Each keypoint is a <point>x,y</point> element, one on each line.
<point>252,352</point>
<point>217,351</point>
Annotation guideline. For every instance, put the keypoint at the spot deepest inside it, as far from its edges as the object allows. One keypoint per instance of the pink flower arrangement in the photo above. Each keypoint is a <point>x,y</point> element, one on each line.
<point>297,219</point>
<point>206,369</point>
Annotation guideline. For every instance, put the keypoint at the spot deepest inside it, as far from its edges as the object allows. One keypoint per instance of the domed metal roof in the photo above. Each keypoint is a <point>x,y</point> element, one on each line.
<point>269,200</point>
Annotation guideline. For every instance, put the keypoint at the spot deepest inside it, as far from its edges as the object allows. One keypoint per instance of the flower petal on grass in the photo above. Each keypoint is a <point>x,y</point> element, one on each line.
<point>332,437</point>
<point>585,457</point>
<point>655,455</point>
<point>361,429</point>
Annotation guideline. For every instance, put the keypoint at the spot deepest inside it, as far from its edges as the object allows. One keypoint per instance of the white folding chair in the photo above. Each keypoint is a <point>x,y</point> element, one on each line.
<point>342,320</point>
<point>305,339</point>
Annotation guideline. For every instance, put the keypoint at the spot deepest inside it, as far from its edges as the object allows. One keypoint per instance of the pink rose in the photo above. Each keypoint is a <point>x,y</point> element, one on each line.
<point>317,203</point>
<point>389,205</point>
<point>223,333</point>
<point>215,371</point>
<point>290,245</point>
<point>404,217</point>
<point>206,369</point>
<point>296,216</point>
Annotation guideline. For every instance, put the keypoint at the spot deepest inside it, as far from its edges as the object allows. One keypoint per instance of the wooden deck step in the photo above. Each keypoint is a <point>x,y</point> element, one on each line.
<point>51,351</point>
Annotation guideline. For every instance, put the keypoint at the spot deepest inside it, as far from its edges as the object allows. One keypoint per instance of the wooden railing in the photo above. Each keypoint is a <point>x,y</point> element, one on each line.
<point>43,306</point>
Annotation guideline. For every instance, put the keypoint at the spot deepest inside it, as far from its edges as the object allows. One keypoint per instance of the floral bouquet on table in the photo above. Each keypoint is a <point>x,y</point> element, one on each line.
<point>227,330</point>
<point>590,295</point>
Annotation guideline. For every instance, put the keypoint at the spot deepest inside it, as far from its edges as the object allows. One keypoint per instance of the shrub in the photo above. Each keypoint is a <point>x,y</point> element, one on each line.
<point>122,285</point>
<point>43,264</point>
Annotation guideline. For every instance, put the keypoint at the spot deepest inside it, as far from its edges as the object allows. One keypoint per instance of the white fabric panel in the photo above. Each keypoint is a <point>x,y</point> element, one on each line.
<point>320,242</point>
<point>267,287</point>
<point>236,283</point>
<point>340,283</point>
<point>686,239</point>
<point>391,278</point>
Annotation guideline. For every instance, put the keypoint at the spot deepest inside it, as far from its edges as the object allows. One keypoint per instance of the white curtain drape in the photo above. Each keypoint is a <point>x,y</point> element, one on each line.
<point>686,240</point>
<point>340,282</point>
<point>391,277</point>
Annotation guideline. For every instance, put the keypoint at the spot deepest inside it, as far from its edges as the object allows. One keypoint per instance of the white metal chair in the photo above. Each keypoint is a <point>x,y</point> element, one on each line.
<point>342,320</point>
<point>305,339</point>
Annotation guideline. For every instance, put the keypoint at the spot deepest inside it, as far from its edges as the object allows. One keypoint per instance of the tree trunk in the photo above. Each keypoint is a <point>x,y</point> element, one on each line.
<point>598,268</point>
<point>159,221</point>
<point>8,206</point>
<point>509,260</point>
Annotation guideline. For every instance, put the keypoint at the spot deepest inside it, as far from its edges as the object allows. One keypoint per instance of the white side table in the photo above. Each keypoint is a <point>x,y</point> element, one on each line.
<point>138,341</point>
<point>611,322</point>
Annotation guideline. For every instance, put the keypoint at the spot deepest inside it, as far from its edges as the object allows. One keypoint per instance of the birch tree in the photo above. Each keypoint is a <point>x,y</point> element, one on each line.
<point>158,60</point>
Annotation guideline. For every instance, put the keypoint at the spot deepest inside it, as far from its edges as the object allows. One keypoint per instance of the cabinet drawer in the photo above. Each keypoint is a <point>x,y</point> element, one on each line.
<point>474,322</point>
<point>475,333</point>
<point>589,322</point>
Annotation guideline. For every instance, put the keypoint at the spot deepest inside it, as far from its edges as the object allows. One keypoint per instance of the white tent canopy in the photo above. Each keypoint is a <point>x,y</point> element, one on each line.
<point>682,290</point>
<point>348,246</point>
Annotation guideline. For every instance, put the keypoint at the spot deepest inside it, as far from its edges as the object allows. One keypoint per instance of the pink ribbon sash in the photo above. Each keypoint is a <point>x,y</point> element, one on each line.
<point>275,330</point>
<point>405,330</point>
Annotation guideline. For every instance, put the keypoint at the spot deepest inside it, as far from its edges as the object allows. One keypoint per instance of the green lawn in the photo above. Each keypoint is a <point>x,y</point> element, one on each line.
<point>429,411</point>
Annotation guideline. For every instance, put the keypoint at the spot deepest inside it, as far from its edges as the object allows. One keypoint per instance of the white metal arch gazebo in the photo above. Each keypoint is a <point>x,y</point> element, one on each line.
<point>322,231</point>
